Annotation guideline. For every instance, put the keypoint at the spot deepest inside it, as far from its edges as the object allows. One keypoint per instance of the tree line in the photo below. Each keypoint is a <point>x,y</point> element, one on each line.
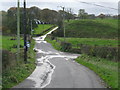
<point>9,18</point>
<point>82,14</point>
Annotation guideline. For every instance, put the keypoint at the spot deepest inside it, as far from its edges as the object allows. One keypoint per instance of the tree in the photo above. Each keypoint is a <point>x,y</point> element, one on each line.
<point>82,14</point>
<point>10,21</point>
<point>34,13</point>
<point>4,27</point>
<point>45,15</point>
<point>48,15</point>
<point>69,14</point>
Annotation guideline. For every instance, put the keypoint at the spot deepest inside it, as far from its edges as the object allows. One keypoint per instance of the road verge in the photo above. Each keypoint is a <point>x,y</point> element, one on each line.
<point>106,69</point>
<point>18,73</point>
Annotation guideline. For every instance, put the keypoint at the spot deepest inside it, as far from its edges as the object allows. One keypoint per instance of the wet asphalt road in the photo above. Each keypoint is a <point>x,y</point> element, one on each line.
<point>68,73</point>
<point>57,69</point>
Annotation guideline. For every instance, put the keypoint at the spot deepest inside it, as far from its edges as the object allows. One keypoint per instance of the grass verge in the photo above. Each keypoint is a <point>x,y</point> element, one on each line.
<point>55,44</point>
<point>17,74</point>
<point>107,70</point>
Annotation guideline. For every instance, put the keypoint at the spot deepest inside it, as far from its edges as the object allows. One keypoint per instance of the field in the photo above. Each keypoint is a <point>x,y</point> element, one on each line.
<point>10,45</point>
<point>98,28</point>
<point>42,28</point>
<point>91,41</point>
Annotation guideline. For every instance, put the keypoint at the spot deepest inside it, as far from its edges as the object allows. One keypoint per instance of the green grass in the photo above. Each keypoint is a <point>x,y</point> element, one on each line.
<point>0,42</point>
<point>55,44</point>
<point>91,41</point>
<point>7,43</point>
<point>18,73</point>
<point>110,22</point>
<point>42,28</point>
<point>88,28</point>
<point>106,69</point>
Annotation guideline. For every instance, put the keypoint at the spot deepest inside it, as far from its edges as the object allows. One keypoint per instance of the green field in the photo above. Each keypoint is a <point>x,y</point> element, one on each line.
<point>91,41</point>
<point>106,69</point>
<point>8,44</point>
<point>88,28</point>
<point>42,28</point>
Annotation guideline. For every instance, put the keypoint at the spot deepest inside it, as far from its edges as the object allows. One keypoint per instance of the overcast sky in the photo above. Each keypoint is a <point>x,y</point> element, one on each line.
<point>74,4</point>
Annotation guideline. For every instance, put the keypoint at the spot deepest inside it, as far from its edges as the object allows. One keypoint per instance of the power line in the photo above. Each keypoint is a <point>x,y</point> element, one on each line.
<point>97,5</point>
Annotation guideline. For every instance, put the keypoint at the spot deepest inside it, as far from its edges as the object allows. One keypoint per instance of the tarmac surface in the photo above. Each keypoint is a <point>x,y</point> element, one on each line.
<point>55,69</point>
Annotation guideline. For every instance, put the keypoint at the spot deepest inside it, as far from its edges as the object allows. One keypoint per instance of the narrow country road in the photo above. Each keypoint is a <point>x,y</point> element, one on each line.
<point>57,69</point>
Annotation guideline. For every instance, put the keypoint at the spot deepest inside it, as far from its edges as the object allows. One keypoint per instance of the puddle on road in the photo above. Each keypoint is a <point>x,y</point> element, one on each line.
<point>44,69</point>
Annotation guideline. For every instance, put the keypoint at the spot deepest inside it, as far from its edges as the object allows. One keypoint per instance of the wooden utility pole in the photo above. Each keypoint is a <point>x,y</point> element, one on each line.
<point>63,20</point>
<point>18,30</point>
<point>25,36</point>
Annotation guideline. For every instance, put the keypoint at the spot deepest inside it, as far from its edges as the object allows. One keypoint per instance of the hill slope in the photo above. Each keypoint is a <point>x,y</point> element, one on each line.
<point>98,28</point>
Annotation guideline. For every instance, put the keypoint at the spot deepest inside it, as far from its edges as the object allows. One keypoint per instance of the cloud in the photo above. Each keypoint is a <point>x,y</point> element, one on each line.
<point>74,4</point>
<point>59,0</point>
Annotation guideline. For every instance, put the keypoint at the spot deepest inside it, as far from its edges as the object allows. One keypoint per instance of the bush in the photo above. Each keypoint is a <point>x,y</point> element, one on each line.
<point>103,52</point>
<point>66,46</point>
<point>75,50</point>
<point>8,59</point>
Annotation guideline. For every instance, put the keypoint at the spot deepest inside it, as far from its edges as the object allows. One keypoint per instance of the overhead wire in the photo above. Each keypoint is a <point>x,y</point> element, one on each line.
<point>96,5</point>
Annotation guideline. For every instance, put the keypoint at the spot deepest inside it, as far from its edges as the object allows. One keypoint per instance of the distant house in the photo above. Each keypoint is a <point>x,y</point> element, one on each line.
<point>116,16</point>
<point>40,22</point>
<point>76,17</point>
<point>91,16</point>
<point>102,16</point>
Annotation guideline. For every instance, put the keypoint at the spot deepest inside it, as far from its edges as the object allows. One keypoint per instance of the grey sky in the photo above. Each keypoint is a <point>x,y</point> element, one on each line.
<point>74,4</point>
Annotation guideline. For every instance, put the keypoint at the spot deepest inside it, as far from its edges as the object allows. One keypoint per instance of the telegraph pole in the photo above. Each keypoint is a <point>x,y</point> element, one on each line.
<point>25,37</point>
<point>18,31</point>
<point>63,20</point>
